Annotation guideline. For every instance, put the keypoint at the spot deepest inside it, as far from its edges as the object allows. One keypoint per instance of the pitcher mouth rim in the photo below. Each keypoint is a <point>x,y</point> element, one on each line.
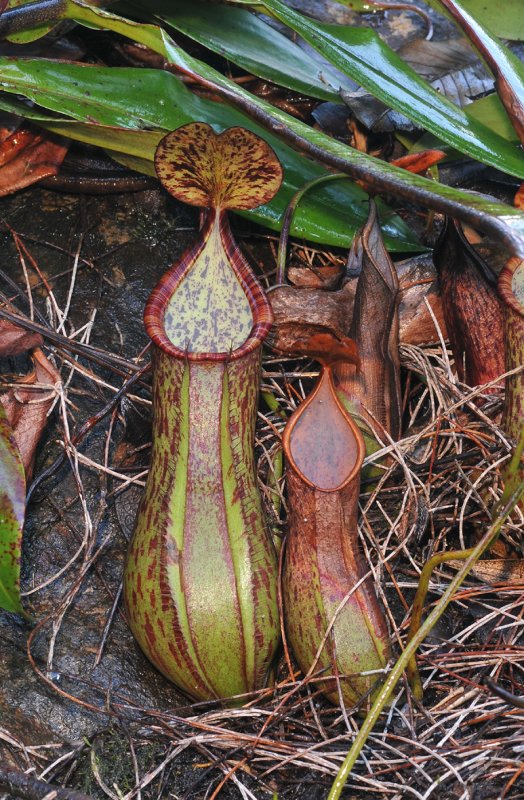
<point>505,285</point>
<point>160,296</point>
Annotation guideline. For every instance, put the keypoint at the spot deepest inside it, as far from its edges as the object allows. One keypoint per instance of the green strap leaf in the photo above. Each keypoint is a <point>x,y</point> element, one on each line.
<point>360,53</point>
<point>251,44</point>
<point>113,105</point>
<point>489,214</point>
<point>504,19</point>
<point>12,511</point>
<point>491,113</point>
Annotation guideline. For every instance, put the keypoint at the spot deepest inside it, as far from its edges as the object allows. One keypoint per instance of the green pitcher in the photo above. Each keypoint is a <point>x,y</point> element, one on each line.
<point>200,580</point>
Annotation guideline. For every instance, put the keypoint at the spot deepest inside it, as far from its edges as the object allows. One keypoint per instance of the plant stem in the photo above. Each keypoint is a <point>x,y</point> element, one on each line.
<point>287,219</point>
<point>31,15</point>
<point>418,607</point>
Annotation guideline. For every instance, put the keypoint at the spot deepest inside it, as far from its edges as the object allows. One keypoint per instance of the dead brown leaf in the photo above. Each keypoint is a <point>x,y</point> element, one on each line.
<point>419,162</point>
<point>27,156</point>
<point>373,390</point>
<point>496,570</point>
<point>28,398</point>
<point>15,340</point>
<point>305,304</point>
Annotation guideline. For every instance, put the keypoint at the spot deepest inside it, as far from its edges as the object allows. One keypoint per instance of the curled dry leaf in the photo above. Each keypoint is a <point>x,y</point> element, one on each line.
<point>27,404</point>
<point>509,571</point>
<point>518,200</point>
<point>333,621</point>
<point>23,412</point>
<point>324,277</point>
<point>200,581</point>
<point>420,307</point>
<point>323,345</point>
<point>472,310</point>
<point>27,156</point>
<point>14,341</point>
<point>295,306</point>
<point>372,391</point>
<point>419,162</point>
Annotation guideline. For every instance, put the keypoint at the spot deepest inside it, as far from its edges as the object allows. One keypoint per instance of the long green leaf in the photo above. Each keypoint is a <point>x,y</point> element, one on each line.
<point>491,113</point>
<point>12,511</point>
<point>247,41</point>
<point>488,110</point>
<point>486,212</point>
<point>505,66</point>
<point>360,53</point>
<point>250,43</point>
<point>505,19</point>
<point>138,99</point>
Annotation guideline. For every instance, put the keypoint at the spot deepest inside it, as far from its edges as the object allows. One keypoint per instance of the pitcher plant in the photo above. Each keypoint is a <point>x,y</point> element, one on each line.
<point>201,574</point>
<point>334,623</point>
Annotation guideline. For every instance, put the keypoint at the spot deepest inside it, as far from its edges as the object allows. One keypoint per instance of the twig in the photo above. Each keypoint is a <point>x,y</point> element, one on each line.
<point>22,785</point>
<point>120,365</point>
<point>87,426</point>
